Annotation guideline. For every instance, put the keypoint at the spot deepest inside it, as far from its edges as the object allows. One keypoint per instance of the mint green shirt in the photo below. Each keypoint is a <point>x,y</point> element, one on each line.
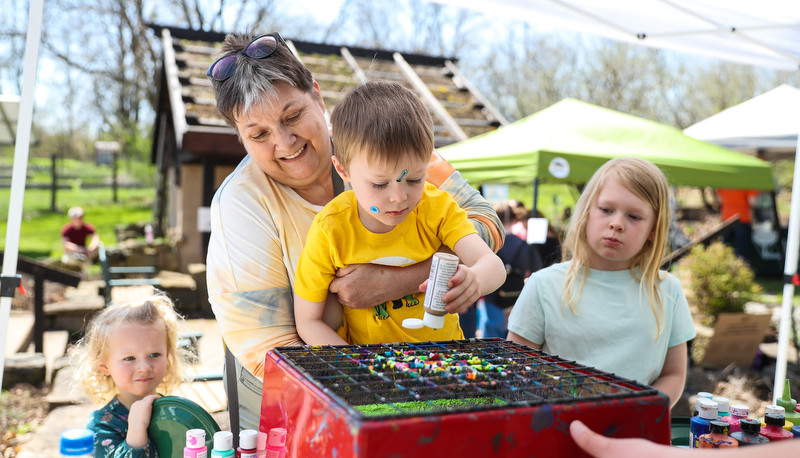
<point>615,328</point>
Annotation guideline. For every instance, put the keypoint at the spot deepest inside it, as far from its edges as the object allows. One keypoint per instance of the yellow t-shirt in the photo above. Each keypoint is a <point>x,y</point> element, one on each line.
<point>337,239</point>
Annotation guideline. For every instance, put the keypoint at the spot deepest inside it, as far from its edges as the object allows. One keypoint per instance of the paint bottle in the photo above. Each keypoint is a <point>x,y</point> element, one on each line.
<point>261,446</point>
<point>443,267</point>
<point>778,411</point>
<point>76,443</point>
<point>223,445</point>
<point>739,412</point>
<point>750,433</point>
<point>789,405</point>
<point>276,443</point>
<point>723,406</point>
<point>195,444</point>
<point>701,395</point>
<point>248,444</point>
<point>717,437</point>
<point>148,234</point>
<point>773,429</point>
<point>796,431</point>
<point>699,425</point>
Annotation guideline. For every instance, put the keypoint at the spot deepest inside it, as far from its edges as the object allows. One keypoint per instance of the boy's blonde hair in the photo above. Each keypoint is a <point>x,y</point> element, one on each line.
<point>648,183</point>
<point>385,119</point>
<point>90,351</point>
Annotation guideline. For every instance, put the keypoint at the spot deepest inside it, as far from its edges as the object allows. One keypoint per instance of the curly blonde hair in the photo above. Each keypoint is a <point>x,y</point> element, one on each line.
<point>90,350</point>
<point>648,183</point>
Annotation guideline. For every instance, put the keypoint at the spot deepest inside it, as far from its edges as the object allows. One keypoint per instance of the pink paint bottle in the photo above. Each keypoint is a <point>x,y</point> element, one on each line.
<point>276,443</point>
<point>195,444</point>
<point>261,447</point>
<point>248,444</point>
<point>773,429</point>
<point>739,412</point>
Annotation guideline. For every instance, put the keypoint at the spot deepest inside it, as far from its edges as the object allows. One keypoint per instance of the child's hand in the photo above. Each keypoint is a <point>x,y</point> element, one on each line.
<point>139,420</point>
<point>464,290</point>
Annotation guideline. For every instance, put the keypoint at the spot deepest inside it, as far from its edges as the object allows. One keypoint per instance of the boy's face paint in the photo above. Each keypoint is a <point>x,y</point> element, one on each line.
<point>374,209</point>
<point>402,175</point>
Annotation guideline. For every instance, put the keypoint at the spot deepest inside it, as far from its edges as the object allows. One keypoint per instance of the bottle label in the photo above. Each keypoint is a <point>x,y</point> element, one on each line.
<point>443,267</point>
<point>247,455</point>
<point>195,453</point>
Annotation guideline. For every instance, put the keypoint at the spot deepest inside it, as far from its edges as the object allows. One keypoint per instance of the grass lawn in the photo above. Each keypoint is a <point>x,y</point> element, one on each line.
<point>41,229</point>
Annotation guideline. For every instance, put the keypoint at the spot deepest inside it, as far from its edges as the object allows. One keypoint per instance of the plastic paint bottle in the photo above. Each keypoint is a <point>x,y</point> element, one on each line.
<point>701,395</point>
<point>699,425</point>
<point>276,443</point>
<point>76,443</point>
<point>223,445</point>
<point>723,406</point>
<point>195,444</point>
<point>779,411</point>
<point>261,446</point>
<point>739,412</point>
<point>717,437</point>
<point>788,404</point>
<point>443,267</point>
<point>796,431</point>
<point>248,444</point>
<point>750,433</point>
<point>773,429</point>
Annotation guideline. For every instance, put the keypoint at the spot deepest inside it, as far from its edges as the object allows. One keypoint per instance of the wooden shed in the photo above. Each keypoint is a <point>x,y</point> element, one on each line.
<point>194,149</point>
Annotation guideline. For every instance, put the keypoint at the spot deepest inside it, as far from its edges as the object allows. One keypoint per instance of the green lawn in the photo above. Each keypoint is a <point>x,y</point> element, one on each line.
<point>41,229</point>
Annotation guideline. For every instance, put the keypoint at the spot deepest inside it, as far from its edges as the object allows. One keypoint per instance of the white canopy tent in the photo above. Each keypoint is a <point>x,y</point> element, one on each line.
<point>764,33</point>
<point>765,126</point>
<point>9,112</point>
<point>19,172</point>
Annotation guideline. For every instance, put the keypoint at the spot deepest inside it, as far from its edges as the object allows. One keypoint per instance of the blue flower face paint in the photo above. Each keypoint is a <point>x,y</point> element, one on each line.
<point>374,209</point>
<point>402,175</point>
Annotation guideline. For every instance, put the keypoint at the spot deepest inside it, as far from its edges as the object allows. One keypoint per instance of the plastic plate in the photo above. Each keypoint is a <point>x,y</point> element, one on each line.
<point>172,417</point>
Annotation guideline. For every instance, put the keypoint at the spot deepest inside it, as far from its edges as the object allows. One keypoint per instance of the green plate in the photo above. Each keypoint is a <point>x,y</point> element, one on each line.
<point>680,431</point>
<point>172,417</point>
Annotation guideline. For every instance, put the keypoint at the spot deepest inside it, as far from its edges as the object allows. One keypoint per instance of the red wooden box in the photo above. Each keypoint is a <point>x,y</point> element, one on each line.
<point>477,397</point>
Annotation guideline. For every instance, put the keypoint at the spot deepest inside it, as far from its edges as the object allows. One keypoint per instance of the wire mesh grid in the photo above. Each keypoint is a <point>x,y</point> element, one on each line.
<point>429,378</point>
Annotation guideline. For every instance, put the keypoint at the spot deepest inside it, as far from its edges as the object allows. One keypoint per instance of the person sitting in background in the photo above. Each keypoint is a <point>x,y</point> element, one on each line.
<point>73,238</point>
<point>740,202</point>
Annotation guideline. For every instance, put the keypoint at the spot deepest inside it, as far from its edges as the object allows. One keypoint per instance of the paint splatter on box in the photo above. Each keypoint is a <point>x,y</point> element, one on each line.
<point>491,384</point>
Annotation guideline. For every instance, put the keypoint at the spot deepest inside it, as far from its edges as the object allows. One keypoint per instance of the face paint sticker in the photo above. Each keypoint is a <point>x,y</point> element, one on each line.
<point>374,209</point>
<point>402,175</point>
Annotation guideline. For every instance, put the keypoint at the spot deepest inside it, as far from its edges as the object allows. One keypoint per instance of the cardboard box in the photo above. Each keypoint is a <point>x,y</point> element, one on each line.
<point>736,339</point>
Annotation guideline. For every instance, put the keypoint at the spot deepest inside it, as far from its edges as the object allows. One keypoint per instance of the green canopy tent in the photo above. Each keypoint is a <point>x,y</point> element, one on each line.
<point>568,141</point>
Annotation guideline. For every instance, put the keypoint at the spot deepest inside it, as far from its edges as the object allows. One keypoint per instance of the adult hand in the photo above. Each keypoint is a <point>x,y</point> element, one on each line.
<point>600,446</point>
<point>361,286</point>
<point>139,420</point>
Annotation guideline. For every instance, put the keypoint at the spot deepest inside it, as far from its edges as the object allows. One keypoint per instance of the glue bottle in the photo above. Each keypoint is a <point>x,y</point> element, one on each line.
<point>750,433</point>
<point>739,412</point>
<point>276,443</point>
<point>195,444</point>
<point>76,443</point>
<point>773,429</point>
<point>699,425</point>
<point>223,445</point>
<point>717,437</point>
<point>248,444</point>
<point>789,405</point>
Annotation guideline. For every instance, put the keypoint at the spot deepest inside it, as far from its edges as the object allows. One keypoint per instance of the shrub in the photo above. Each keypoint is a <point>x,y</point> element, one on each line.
<point>719,281</point>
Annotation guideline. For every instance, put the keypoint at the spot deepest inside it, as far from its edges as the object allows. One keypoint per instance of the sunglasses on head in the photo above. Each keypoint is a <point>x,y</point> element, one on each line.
<point>261,47</point>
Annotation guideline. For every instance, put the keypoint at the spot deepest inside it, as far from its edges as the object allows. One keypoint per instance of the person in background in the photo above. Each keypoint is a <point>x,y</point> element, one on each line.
<point>127,359</point>
<point>73,239</point>
<point>383,138</point>
<point>740,202</point>
<point>515,256</point>
<point>625,315</point>
<point>521,214</point>
<point>261,213</point>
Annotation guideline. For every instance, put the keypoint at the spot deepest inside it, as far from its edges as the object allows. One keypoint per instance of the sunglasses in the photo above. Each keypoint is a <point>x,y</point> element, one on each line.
<point>261,47</point>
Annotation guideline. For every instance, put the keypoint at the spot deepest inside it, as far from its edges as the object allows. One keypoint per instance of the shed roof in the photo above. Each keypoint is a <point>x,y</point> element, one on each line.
<point>186,97</point>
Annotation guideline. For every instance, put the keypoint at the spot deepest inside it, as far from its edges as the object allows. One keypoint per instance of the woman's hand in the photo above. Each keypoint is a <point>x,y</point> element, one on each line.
<point>361,286</point>
<point>139,420</point>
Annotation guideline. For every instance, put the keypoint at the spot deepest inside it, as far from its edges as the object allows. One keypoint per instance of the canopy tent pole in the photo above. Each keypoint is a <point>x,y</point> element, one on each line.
<point>21,147</point>
<point>790,269</point>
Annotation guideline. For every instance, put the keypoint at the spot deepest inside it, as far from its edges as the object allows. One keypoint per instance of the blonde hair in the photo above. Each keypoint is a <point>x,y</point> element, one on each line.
<point>90,350</point>
<point>383,118</point>
<point>648,183</point>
